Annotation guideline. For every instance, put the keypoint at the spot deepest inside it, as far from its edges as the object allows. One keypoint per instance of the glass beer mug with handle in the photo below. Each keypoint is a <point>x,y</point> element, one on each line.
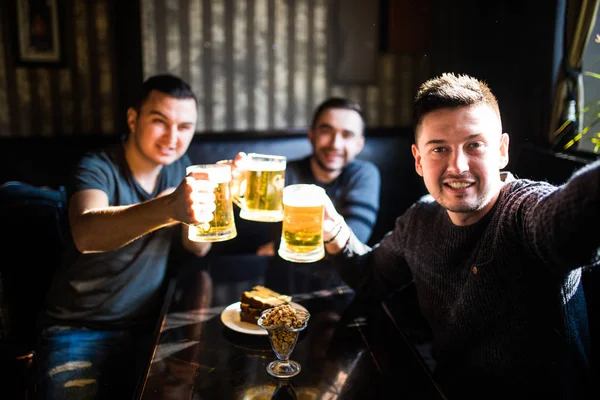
<point>302,231</point>
<point>259,190</point>
<point>222,226</point>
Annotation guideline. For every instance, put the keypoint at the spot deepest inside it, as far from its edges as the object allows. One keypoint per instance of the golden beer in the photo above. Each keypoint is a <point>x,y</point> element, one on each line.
<point>302,233</point>
<point>222,226</point>
<point>261,189</point>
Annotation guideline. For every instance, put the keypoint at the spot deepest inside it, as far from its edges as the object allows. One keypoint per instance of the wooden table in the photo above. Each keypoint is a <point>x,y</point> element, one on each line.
<point>350,350</point>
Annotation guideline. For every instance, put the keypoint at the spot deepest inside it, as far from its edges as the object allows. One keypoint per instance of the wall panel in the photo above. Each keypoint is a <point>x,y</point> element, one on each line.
<point>263,64</point>
<point>254,64</point>
<point>79,96</point>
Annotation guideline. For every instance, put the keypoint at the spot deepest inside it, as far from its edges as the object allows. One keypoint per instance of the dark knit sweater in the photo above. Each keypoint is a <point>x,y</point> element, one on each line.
<point>503,296</point>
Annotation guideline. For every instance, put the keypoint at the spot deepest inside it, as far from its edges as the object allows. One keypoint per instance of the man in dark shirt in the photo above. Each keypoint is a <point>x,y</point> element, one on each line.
<point>496,261</point>
<point>126,205</point>
<point>337,137</point>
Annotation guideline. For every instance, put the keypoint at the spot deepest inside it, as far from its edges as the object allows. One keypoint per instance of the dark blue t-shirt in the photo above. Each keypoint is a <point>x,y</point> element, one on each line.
<point>115,288</point>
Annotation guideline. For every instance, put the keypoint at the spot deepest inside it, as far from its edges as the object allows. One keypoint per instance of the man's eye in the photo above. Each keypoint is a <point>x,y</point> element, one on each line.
<point>438,149</point>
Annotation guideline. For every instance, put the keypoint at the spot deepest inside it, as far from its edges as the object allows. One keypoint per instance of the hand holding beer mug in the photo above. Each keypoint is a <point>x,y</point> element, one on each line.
<point>259,189</point>
<point>302,232</point>
<point>222,226</point>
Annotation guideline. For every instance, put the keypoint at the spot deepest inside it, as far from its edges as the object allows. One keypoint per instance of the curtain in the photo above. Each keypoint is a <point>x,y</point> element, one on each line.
<point>567,118</point>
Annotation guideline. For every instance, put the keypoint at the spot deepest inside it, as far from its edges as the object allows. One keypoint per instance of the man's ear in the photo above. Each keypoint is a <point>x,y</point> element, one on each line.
<point>311,136</point>
<point>131,119</point>
<point>361,143</point>
<point>417,155</point>
<point>504,141</point>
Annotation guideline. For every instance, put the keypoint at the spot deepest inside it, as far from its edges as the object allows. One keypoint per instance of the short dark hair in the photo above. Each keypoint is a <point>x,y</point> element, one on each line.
<point>165,83</point>
<point>338,102</point>
<point>450,91</point>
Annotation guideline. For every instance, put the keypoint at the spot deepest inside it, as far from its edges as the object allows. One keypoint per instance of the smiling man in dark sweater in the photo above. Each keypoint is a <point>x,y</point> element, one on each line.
<point>496,261</point>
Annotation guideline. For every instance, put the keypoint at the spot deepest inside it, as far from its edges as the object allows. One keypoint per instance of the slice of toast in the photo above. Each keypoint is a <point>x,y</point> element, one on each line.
<point>262,298</point>
<point>249,314</point>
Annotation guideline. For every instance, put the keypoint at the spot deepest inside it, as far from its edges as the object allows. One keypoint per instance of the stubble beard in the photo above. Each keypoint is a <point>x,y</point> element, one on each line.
<point>461,204</point>
<point>323,166</point>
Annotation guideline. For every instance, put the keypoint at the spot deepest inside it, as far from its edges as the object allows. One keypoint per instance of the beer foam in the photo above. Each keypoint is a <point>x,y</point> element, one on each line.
<point>220,175</point>
<point>217,173</point>
<point>254,165</point>
<point>303,195</point>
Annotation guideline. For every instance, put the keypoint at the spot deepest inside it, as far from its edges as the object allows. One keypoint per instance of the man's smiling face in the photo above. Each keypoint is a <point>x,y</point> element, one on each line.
<point>459,153</point>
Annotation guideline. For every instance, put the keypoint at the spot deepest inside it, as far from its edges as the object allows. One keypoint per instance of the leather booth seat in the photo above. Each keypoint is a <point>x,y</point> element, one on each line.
<point>35,228</point>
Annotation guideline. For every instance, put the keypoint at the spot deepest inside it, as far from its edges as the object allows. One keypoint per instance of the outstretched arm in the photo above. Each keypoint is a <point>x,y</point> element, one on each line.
<point>98,227</point>
<point>557,220</point>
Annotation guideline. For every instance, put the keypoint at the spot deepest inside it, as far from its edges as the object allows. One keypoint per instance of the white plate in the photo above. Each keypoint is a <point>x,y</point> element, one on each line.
<point>231,318</point>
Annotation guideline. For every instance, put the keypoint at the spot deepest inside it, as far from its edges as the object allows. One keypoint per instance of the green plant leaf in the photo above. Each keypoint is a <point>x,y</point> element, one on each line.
<point>592,74</point>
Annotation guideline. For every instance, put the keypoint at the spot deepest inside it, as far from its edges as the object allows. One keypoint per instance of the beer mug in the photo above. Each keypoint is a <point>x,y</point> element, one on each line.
<point>222,226</point>
<point>259,190</point>
<point>302,232</point>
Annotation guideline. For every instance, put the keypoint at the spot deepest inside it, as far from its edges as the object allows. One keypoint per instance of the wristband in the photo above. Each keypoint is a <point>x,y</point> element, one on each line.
<point>331,239</point>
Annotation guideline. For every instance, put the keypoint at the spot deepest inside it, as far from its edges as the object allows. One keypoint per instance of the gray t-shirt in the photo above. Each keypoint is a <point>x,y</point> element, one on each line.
<point>115,288</point>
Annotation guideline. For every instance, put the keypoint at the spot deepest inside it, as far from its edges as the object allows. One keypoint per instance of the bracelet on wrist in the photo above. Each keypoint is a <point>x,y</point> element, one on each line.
<point>331,239</point>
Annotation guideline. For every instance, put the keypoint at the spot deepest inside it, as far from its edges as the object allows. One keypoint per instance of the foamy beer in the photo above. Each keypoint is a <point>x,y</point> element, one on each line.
<point>259,193</point>
<point>222,226</point>
<point>302,233</point>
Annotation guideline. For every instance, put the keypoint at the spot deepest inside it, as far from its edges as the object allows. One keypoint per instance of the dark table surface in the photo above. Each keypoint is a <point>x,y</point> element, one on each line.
<point>351,349</point>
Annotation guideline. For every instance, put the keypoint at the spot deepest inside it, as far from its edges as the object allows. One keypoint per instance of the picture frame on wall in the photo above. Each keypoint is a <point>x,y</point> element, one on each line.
<point>38,32</point>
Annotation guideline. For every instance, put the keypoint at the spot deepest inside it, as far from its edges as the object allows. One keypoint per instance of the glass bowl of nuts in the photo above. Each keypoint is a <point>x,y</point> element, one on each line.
<point>283,324</point>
